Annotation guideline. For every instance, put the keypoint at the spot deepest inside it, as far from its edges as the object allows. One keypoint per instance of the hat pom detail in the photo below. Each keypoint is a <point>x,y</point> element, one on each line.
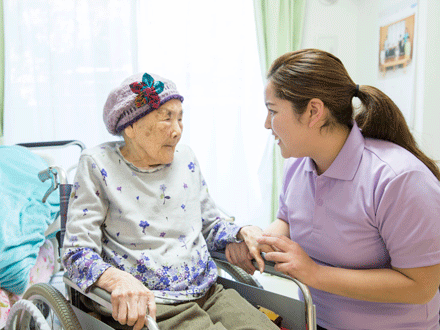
<point>148,91</point>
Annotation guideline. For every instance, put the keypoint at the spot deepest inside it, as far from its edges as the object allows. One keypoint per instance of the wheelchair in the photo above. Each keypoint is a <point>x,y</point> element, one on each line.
<point>46,308</point>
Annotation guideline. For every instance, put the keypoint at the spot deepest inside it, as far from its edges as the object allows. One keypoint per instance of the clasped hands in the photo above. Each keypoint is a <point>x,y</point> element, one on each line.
<point>289,257</point>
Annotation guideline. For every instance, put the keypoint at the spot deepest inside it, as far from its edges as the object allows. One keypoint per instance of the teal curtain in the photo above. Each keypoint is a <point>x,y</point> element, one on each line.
<point>279,25</point>
<point>2,70</point>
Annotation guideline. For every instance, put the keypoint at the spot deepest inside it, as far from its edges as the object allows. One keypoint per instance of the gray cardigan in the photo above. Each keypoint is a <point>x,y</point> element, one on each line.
<point>155,224</point>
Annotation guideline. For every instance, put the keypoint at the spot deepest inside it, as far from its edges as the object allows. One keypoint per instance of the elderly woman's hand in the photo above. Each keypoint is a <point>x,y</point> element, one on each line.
<point>130,298</point>
<point>242,254</point>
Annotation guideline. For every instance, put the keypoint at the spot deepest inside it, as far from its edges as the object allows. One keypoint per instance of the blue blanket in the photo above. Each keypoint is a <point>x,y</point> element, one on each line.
<point>23,216</point>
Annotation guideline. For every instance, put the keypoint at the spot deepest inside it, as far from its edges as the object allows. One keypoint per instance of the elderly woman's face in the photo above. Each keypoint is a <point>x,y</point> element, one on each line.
<point>153,138</point>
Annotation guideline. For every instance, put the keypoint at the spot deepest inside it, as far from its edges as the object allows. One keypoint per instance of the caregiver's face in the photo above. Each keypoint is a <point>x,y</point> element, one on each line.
<point>156,135</point>
<point>291,134</point>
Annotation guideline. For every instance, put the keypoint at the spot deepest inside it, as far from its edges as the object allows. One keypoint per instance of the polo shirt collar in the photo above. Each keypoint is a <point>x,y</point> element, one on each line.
<point>345,166</point>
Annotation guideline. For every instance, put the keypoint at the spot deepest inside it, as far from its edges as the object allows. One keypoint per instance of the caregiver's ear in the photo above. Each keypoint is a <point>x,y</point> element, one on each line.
<point>315,111</point>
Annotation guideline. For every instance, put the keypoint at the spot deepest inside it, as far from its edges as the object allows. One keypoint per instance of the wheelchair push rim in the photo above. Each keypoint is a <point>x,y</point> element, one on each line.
<point>53,305</point>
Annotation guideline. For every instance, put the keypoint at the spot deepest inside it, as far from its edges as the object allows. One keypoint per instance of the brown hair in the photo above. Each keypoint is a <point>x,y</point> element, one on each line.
<point>303,75</point>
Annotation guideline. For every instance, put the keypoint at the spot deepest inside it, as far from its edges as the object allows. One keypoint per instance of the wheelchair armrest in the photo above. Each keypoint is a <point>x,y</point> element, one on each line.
<point>269,267</point>
<point>103,298</point>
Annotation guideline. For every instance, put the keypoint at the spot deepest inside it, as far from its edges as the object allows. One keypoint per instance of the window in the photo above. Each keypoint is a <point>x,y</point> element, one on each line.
<point>64,57</point>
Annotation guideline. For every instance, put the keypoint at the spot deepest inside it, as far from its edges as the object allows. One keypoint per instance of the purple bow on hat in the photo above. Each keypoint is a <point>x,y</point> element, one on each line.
<point>148,91</point>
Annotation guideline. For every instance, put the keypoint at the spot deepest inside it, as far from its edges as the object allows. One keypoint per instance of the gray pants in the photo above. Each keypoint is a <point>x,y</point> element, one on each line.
<point>219,309</point>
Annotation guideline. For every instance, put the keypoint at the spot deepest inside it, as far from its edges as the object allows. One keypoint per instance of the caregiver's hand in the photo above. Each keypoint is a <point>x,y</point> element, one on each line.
<point>130,298</point>
<point>291,259</point>
<point>242,254</point>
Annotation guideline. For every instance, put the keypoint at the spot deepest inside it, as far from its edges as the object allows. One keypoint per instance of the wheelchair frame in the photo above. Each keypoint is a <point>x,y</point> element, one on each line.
<point>73,318</point>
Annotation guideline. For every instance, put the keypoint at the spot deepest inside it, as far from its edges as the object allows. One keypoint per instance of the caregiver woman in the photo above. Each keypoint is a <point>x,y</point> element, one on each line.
<point>359,211</point>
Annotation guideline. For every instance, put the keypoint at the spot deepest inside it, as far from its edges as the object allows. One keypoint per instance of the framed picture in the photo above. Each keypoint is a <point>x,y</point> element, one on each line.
<point>396,45</point>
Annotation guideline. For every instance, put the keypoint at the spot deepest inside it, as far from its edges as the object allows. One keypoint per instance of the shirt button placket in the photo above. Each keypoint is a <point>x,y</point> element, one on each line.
<point>318,192</point>
<point>317,216</point>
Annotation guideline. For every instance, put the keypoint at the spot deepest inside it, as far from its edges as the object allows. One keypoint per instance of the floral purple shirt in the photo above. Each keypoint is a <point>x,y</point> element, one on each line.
<point>158,225</point>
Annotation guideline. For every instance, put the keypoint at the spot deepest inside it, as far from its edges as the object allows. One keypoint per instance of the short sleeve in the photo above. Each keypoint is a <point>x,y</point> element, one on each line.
<point>282,206</point>
<point>408,220</point>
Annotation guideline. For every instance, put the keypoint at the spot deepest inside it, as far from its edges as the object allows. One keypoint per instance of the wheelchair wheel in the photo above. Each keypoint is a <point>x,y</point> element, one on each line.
<point>52,305</point>
<point>28,310</point>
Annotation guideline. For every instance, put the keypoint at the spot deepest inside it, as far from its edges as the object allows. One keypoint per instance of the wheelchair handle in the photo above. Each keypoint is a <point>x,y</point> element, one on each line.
<point>58,176</point>
<point>44,175</point>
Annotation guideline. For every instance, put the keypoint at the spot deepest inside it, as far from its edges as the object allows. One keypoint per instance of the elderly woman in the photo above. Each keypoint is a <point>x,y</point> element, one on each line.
<point>141,220</point>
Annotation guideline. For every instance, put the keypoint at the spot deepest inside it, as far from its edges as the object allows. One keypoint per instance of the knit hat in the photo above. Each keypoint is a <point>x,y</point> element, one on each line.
<point>136,97</point>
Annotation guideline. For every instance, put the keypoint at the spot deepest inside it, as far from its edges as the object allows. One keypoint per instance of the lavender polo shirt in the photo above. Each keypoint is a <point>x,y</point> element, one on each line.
<point>377,206</point>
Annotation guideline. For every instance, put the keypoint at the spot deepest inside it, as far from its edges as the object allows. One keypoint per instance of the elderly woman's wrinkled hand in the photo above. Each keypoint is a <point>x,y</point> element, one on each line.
<point>129,297</point>
<point>242,254</point>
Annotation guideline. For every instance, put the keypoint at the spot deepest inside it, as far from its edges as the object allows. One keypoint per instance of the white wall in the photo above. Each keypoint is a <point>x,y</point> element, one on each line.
<point>427,116</point>
<point>429,112</point>
<point>333,28</point>
<point>350,30</point>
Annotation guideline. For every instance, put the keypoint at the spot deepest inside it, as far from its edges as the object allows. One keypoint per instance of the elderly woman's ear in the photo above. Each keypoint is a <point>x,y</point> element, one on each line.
<point>128,132</point>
